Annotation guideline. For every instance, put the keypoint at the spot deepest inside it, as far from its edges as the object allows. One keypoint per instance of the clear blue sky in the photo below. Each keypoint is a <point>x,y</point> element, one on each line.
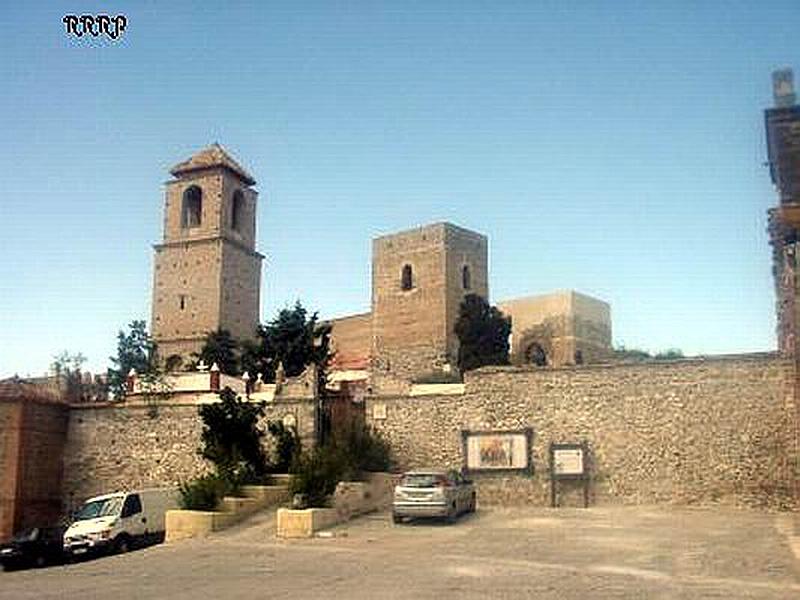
<point>613,148</point>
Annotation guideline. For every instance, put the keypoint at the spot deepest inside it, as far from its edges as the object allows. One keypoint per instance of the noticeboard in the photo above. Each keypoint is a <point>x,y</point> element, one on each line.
<point>569,462</point>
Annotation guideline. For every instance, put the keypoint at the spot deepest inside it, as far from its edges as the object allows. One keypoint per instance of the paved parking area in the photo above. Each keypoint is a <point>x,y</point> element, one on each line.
<point>606,552</point>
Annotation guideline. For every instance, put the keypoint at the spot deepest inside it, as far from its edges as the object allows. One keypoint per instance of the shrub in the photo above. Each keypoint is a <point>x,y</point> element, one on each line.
<point>205,493</point>
<point>315,475</point>
<point>287,446</point>
<point>363,449</point>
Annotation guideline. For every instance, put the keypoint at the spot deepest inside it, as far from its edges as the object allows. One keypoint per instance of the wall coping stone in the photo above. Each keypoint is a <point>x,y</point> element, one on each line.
<point>649,363</point>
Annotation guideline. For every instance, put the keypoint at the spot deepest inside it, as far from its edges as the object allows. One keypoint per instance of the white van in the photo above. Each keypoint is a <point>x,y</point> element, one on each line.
<point>117,522</point>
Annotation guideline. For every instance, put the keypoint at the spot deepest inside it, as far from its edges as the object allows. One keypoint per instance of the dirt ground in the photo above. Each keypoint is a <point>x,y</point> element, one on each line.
<point>601,552</point>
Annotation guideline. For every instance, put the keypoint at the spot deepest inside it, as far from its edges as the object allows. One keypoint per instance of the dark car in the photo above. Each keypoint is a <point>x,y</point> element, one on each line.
<point>35,547</point>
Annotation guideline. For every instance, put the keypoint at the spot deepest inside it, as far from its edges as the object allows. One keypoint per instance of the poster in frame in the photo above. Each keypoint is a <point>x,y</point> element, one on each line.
<point>498,451</point>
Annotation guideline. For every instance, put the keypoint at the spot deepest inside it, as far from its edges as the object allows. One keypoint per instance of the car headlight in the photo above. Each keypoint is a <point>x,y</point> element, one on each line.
<point>100,535</point>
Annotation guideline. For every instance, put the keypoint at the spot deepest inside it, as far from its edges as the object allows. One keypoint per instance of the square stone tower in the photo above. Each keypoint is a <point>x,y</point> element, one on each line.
<point>783,146</point>
<point>207,273</point>
<point>419,278</point>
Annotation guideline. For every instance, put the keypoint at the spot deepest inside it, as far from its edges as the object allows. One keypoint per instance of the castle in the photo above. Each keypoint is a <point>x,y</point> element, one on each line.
<point>721,430</point>
<point>207,276</point>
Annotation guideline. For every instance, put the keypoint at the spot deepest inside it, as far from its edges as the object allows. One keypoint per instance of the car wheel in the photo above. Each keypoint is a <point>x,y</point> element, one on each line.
<point>396,519</point>
<point>39,561</point>
<point>123,545</point>
<point>452,515</point>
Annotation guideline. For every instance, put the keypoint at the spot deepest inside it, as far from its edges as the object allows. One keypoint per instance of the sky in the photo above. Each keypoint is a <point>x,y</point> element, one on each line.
<point>613,148</point>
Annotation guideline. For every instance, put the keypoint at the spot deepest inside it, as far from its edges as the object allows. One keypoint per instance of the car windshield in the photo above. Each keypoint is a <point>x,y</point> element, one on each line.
<point>99,508</point>
<point>421,480</point>
<point>27,536</point>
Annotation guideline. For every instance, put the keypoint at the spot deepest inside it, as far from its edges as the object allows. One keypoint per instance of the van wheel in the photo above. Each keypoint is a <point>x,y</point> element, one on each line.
<point>452,515</point>
<point>122,545</point>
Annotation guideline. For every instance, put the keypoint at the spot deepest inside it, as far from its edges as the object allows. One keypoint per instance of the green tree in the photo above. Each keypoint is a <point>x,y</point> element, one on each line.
<point>220,347</point>
<point>292,338</point>
<point>231,439</point>
<point>483,332</point>
<point>135,350</point>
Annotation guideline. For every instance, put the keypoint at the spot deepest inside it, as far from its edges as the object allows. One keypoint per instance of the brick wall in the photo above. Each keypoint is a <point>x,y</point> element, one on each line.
<point>691,431</point>
<point>10,414</point>
<point>351,340</point>
<point>32,436</point>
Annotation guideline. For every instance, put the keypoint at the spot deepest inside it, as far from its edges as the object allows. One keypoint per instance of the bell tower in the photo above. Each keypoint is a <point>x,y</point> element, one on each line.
<point>207,272</point>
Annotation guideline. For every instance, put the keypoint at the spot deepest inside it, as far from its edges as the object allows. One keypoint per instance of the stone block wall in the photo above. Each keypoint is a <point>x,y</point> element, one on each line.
<point>690,431</point>
<point>412,329</point>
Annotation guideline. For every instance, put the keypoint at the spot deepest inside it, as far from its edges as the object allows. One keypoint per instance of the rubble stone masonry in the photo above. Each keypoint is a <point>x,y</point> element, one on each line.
<point>710,430</point>
<point>117,447</point>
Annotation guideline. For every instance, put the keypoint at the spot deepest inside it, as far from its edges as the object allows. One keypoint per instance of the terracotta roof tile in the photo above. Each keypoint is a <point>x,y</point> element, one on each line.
<point>213,156</point>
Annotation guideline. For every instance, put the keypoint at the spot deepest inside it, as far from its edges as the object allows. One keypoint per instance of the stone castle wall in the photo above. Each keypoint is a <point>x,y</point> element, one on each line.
<point>116,447</point>
<point>691,431</point>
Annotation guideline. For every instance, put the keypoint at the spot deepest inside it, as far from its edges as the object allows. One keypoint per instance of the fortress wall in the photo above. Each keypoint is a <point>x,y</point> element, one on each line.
<point>692,431</point>
<point>116,447</point>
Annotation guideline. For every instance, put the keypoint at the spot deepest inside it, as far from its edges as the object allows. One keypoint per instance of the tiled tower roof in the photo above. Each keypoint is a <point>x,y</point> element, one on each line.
<point>213,156</point>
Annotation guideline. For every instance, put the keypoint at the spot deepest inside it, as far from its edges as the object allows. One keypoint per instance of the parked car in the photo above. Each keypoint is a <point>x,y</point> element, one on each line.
<point>34,547</point>
<point>118,522</point>
<point>433,493</point>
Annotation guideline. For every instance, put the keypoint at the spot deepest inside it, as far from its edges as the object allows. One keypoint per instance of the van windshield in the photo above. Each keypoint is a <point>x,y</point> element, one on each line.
<point>99,508</point>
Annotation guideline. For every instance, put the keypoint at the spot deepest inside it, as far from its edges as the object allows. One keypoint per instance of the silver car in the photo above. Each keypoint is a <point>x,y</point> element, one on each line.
<point>433,493</point>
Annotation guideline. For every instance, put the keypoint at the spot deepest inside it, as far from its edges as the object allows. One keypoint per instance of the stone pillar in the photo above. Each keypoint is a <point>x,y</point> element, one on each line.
<point>130,381</point>
<point>214,377</point>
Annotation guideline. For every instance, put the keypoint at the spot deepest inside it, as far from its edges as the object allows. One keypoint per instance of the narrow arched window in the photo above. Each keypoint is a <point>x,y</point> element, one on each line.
<point>237,211</point>
<point>407,278</point>
<point>192,208</point>
<point>466,279</point>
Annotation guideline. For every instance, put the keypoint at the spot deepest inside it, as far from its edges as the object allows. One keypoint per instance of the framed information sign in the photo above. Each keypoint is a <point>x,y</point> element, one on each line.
<point>487,451</point>
<point>569,462</point>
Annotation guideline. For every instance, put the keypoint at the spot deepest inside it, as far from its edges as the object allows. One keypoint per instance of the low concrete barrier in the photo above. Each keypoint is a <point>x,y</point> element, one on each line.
<point>183,524</point>
<point>351,498</point>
